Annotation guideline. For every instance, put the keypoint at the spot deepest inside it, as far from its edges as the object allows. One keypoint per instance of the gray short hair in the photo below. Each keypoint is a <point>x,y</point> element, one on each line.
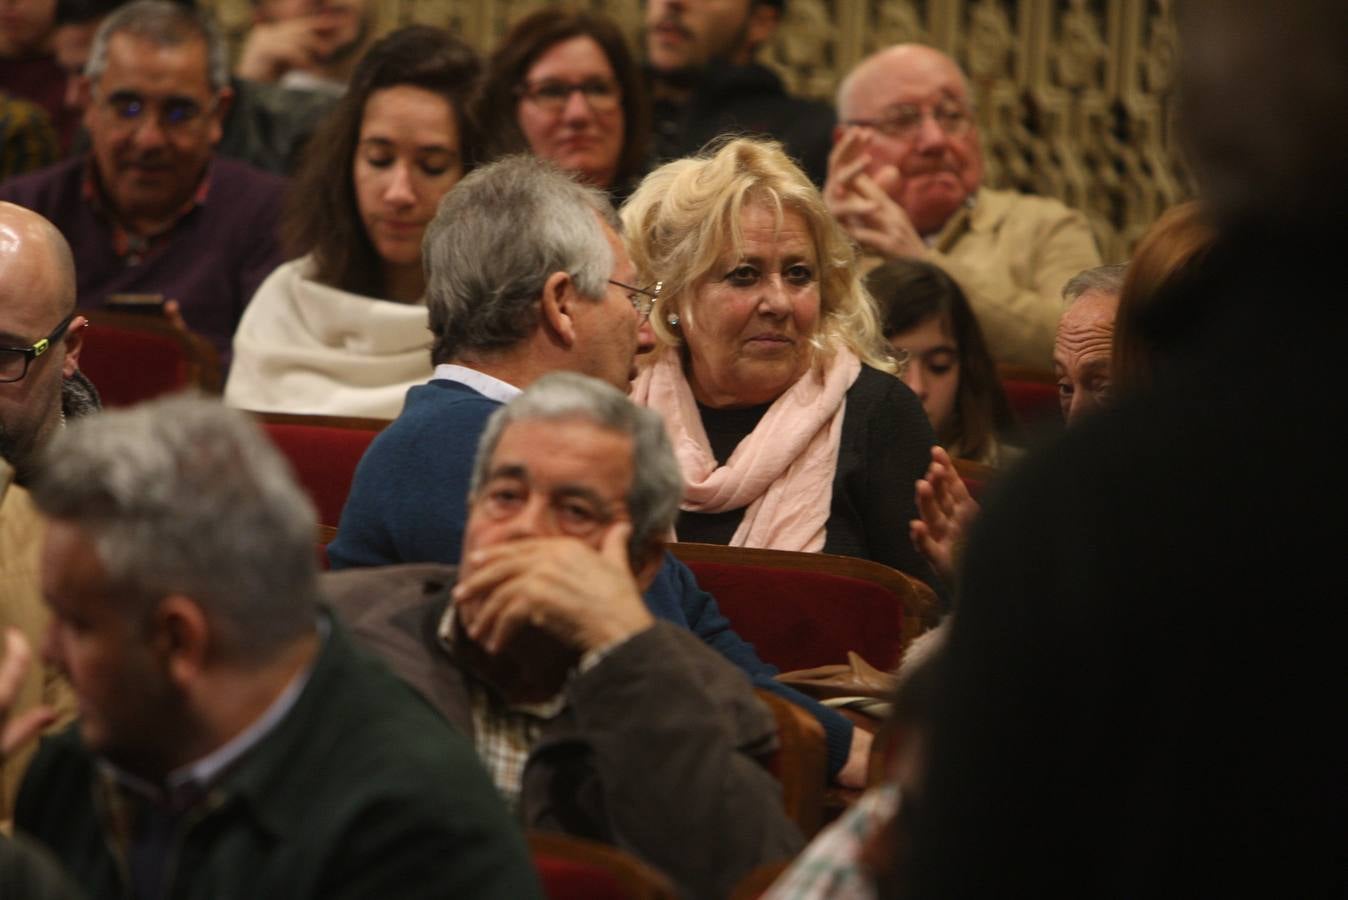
<point>657,483</point>
<point>183,495</point>
<point>1103,279</point>
<point>164,24</point>
<point>495,240</point>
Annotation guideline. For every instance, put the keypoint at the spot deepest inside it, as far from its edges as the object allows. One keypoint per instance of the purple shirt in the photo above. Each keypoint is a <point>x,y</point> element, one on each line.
<point>212,263</point>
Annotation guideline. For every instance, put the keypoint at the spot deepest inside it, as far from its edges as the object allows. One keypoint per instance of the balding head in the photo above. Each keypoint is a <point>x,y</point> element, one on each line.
<point>874,74</point>
<point>29,241</point>
<point>1084,343</point>
<point>914,102</point>
<point>37,293</point>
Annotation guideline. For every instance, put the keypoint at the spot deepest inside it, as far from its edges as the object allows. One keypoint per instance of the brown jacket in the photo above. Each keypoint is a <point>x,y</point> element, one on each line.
<point>656,751</point>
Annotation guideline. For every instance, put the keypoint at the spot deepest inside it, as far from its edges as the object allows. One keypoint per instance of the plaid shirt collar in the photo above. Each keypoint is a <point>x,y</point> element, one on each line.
<point>503,733</point>
<point>127,244</point>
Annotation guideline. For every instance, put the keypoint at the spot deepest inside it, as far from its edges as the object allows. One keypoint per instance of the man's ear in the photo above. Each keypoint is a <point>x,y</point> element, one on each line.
<point>558,308</point>
<point>74,343</point>
<point>181,635</point>
<point>224,99</point>
<point>764,18</point>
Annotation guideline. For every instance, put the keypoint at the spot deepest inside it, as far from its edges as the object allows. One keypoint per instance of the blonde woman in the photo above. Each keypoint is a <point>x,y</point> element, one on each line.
<point>771,373</point>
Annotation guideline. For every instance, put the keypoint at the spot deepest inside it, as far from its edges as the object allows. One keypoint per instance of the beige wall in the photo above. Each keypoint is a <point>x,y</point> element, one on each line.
<point>1074,96</point>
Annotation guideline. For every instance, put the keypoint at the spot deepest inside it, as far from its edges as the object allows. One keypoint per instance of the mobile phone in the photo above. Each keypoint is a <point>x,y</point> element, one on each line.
<point>152,304</point>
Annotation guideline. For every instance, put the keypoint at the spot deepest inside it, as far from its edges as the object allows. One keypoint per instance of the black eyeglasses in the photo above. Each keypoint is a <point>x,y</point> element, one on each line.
<point>642,299</point>
<point>14,361</point>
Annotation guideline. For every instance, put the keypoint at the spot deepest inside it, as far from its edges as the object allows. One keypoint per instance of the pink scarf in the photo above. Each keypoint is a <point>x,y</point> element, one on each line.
<point>783,471</point>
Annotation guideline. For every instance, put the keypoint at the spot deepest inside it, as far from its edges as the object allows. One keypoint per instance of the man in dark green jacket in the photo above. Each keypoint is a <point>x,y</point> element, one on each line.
<point>231,742</point>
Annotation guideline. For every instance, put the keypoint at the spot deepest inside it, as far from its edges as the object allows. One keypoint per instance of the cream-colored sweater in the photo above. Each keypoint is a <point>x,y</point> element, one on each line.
<point>304,347</point>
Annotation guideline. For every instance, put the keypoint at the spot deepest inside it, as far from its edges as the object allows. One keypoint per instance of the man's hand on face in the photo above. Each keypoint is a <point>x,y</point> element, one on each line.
<point>274,48</point>
<point>585,598</point>
<point>864,205</point>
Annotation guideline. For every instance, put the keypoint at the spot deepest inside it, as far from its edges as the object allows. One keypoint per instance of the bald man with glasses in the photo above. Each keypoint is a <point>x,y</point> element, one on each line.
<point>905,180</point>
<point>40,388</point>
<point>40,335</point>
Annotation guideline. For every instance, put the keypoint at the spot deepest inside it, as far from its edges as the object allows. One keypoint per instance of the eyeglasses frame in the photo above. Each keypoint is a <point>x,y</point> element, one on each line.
<point>882,123</point>
<point>526,91</point>
<point>37,349</point>
<point>652,292</point>
<point>202,114</point>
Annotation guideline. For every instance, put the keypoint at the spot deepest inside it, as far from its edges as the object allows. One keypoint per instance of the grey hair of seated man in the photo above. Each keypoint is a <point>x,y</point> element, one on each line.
<point>1102,279</point>
<point>164,24</point>
<point>657,484</point>
<point>184,496</point>
<point>496,239</point>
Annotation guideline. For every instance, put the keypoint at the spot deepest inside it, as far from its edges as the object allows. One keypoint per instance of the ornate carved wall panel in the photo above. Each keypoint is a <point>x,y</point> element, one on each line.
<point>1075,98</point>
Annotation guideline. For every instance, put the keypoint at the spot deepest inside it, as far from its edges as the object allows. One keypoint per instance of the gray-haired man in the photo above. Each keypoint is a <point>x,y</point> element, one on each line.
<point>231,742</point>
<point>151,210</point>
<point>1083,346</point>
<point>526,276</point>
<point>906,181</point>
<point>593,718</point>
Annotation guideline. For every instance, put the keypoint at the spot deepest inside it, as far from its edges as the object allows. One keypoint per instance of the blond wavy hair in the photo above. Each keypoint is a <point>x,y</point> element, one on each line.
<point>678,223</point>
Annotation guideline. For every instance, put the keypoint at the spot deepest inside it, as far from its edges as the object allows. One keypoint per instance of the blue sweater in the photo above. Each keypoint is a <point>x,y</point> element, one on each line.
<point>409,503</point>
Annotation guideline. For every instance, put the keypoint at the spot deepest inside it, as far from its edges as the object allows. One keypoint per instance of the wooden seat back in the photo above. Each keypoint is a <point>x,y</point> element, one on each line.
<point>802,610</point>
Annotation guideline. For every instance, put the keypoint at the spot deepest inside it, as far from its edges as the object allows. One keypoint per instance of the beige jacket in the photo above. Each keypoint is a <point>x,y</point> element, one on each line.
<point>21,607</point>
<point>1012,253</point>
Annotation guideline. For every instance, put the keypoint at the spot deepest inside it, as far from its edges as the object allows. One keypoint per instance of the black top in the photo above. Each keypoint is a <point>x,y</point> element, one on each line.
<point>1148,655</point>
<point>743,100</point>
<point>885,448</point>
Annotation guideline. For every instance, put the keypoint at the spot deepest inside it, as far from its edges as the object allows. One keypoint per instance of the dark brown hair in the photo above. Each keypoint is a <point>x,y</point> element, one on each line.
<point>910,292</point>
<point>529,39</point>
<point>321,216</point>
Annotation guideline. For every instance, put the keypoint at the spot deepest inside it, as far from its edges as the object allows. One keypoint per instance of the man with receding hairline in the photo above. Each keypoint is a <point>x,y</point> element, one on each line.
<point>151,210</point>
<point>1083,350</point>
<point>40,338</point>
<point>905,180</point>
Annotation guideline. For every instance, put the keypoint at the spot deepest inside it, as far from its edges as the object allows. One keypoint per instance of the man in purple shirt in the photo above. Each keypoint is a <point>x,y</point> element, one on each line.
<point>151,210</point>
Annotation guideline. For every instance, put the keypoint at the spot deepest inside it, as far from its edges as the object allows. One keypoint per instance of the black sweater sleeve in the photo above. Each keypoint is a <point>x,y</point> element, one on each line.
<point>885,448</point>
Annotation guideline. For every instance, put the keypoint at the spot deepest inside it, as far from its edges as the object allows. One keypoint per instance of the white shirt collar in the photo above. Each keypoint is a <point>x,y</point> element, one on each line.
<point>487,385</point>
<point>204,772</point>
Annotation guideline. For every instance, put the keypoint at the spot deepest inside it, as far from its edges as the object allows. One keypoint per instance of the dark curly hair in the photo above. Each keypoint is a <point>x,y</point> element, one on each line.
<point>321,216</point>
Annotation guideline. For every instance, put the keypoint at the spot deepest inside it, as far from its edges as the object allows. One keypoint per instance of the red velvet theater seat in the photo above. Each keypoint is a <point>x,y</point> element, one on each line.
<point>130,358</point>
<point>571,868</point>
<point>1033,395</point>
<point>324,451</point>
<point>802,610</point>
